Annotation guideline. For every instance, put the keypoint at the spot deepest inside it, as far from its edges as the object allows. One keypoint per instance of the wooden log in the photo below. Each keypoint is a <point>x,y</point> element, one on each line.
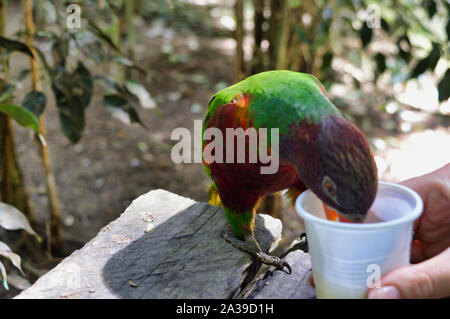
<point>278,285</point>
<point>162,246</point>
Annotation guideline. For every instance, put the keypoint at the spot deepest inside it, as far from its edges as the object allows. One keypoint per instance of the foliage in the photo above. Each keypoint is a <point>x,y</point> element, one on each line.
<point>35,102</point>
<point>355,42</point>
<point>73,86</point>
<point>21,115</point>
<point>73,92</point>
<point>12,219</point>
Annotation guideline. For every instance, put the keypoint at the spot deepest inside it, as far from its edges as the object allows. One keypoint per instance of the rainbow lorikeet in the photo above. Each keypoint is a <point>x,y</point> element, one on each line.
<point>318,149</point>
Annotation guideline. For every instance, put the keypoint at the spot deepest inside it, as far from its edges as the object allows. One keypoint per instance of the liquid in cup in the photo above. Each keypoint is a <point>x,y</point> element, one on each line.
<point>348,258</point>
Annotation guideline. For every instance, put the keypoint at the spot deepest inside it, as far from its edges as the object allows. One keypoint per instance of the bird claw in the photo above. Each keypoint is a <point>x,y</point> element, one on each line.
<point>274,261</point>
<point>285,264</point>
<point>251,246</point>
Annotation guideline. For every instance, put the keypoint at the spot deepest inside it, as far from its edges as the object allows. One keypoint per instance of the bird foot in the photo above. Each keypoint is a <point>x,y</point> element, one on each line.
<point>300,243</point>
<point>273,261</point>
<point>251,246</point>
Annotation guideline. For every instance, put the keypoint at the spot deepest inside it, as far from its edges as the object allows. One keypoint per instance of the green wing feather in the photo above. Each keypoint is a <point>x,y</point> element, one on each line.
<point>278,99</point>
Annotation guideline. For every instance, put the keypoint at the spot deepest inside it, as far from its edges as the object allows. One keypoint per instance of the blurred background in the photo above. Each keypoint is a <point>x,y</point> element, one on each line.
<point>90,92</point>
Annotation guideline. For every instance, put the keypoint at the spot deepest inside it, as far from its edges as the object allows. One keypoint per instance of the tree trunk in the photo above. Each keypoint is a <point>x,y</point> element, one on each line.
<point>55,213</point>
<point>12,190</point>
<point>282,40</point>
<point>239,36</point>
<point>274,23</point>
<point>257,63</point>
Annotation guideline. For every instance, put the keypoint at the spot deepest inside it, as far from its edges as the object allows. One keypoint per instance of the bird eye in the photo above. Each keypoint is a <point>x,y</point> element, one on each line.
<point>329,187</point>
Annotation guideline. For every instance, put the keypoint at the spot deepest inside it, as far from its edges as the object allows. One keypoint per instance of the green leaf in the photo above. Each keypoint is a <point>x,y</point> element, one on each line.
<point>21,115</point>
<point>127,62</point>
<point>301,33</point>
<point>44,61</point>
<point>365,34</point>
<point>72,125</point>
<point>73,93</point>
<point>384,25</point>
<point>295,3</point>
<point>12,219</point>
<point>85,82</point>
<point>444,87</point>
<point>134,116</point>
<point>427,63</point>
<point>326,61</point>
<point>381,62</point>
<point>103,36</point>
<point>145,100</point>
<point>110,84</point>
<point>35,102</point>
<point>18,282</point>
<point>60,50</point>
<point>12,45</point>
<point>3,276</point>
<point>115,102</point>
<point>430,5</point>
<point>6,92</point>
<point>22,75</point>
<point>5,251</point>
<point>420,67</point>
<point>434,56</point>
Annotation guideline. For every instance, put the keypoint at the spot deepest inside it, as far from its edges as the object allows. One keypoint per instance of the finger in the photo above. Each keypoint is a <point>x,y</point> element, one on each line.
<point>429,279</point>
<point>421,186</point>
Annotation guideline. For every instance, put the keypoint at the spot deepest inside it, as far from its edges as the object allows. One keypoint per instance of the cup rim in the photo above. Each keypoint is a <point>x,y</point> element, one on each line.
<point>416,212</point>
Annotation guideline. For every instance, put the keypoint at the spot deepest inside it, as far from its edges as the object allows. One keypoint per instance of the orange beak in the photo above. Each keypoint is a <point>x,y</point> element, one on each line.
<point>332,215</point>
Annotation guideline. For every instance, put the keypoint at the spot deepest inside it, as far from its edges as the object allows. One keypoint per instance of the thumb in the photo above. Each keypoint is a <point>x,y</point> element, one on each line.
<point>429,279</point>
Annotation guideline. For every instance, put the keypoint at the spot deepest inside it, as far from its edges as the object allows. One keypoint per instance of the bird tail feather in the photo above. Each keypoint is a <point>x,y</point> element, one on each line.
<point>213,195</point>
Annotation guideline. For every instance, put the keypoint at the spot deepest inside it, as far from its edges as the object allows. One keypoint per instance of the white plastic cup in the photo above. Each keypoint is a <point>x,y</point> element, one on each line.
<point>349,258</point>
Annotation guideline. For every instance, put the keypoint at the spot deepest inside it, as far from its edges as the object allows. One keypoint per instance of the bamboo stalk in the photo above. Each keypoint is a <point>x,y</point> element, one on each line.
<point>283,38</point>
<point>239,36</point>
<point>275,17</point>
<point>257,63</point>
<point>55,213</point>
<point>12,190</point>
<point>314,28</point>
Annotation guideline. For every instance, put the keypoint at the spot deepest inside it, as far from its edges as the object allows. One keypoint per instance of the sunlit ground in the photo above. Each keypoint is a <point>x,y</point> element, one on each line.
<point>417,153</point>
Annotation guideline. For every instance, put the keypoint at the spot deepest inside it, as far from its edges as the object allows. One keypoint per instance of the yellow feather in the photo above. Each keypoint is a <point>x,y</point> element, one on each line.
<point>213,196</point>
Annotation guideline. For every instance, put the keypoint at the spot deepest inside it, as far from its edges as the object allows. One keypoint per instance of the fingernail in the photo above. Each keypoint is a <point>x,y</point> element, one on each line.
<point>388,292</point>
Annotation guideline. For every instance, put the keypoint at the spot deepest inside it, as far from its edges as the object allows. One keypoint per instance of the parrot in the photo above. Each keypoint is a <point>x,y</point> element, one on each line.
<point>318,149</point>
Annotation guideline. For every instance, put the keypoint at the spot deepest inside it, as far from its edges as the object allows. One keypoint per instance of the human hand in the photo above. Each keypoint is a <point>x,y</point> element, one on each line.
<point>430,276</point>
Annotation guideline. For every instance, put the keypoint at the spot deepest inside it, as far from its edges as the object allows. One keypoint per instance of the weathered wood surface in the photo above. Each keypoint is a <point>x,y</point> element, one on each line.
<point>168,246</point>
<point>278,285</point>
